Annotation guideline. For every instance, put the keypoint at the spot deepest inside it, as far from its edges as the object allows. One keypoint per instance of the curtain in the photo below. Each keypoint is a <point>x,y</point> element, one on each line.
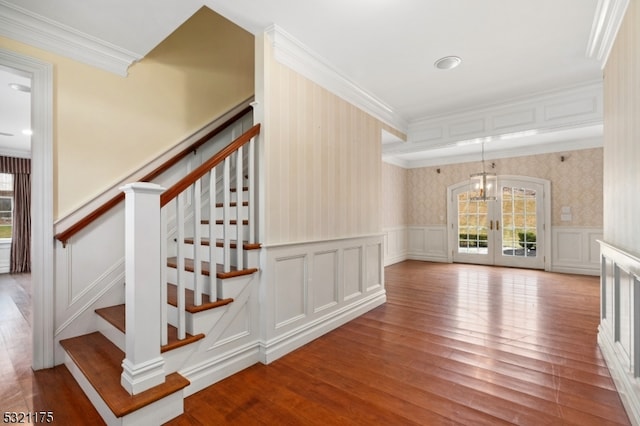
<point>20,168</point>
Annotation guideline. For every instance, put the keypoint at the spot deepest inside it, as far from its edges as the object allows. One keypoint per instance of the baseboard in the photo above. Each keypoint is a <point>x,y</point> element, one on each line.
<point>220,367</point>
<point>575,270</point>
<point>427,258</point>
<point>282,345</point>
<point>390,260</point>
<point>626,385</point>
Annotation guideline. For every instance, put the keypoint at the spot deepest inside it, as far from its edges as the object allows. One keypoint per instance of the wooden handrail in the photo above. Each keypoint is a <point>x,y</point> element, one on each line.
<point>65,235</point>
<point>205,167</point>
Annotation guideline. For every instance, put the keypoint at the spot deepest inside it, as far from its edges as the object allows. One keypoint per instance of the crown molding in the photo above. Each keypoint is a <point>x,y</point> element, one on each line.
<point>30,28</point>
<point>292,53</point>
<point>606,23</point>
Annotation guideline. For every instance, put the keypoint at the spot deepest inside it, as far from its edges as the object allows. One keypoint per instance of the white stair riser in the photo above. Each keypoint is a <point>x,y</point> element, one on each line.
<point>200,322</point>
<point>218,253</point>
<point>244,212</point>
<point>219,231</point>
<point>226,288</point>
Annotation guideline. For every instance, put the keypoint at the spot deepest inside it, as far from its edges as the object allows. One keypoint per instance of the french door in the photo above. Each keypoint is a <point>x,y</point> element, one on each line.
<point>508,232</point>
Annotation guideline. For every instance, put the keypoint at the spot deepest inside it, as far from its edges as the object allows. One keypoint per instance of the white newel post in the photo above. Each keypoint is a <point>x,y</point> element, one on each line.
<point>143,367</point>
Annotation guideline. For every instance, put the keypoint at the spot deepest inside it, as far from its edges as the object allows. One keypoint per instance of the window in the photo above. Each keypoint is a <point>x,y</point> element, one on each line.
<point>6,205</point>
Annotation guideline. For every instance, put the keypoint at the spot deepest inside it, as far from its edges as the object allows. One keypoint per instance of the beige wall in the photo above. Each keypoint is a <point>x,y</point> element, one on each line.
<point>322,160</point>
<point>107,126</point>
<point>622,136</point>
<point>394,196</point>
<point>576,182</point>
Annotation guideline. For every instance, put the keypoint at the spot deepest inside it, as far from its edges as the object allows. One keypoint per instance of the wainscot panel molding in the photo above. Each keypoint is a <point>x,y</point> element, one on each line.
<point>308,289</point>
<point>619,330</point>
<point>569,108</point>
<point>428,243</point>
<point>575,250</point>
<point>5,256</point>
<point>396,245</point>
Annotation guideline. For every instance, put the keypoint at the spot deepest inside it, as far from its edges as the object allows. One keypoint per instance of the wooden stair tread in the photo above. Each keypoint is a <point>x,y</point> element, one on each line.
<point>233,204</point>
<point>101,363</point>
<point>221,222</point>
<point>220,243</point>
<point>172,262</point>
<point>115,315</point>
<point>172,299</point>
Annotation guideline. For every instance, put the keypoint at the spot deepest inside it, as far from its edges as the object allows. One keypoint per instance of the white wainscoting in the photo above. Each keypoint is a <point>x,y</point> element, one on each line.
<point>308,289</point>
<point>5,255</point>
<point>428,243</point>
<point>619,330</point>
<point>575,250</point>
<point>396,245</point>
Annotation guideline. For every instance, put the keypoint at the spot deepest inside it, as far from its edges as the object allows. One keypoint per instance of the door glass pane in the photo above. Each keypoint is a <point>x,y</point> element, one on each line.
<point>472,225</point>
<point>519,222</point>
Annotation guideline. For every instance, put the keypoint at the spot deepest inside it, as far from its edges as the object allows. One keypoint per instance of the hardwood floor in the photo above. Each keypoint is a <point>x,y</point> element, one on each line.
<point>21,389</point>
<point>454,344</point>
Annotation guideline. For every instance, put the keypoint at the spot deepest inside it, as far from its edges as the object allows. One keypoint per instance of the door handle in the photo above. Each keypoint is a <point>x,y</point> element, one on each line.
<point>491,225</point>
<point>497,225</point>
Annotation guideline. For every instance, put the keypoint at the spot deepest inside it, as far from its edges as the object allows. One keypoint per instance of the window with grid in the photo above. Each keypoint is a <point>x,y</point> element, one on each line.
<point>519,222</point>
<point>6,205</point>
<point>472,224</point>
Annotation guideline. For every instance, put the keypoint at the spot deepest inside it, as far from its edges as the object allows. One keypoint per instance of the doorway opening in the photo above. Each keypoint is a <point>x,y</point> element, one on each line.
<point>510,231</point>
<point>42,271</point>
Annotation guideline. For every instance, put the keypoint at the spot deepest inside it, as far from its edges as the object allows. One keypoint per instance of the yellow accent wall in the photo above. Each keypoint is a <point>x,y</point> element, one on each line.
<point>622,136</point>
<point>107,126</point>
<point>322,160</point>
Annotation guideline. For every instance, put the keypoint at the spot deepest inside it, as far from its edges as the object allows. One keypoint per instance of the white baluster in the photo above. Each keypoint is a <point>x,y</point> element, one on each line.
<point>164,321</point>
<point>239,199</point>
<point>213,288</point>
<point>181,266</point>
<point>197,242</point>
<point>226,215</point>
<point>252,191</point>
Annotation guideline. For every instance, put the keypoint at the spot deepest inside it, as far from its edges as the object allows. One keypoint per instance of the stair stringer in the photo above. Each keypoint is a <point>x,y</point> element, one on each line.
<point>231,345</point>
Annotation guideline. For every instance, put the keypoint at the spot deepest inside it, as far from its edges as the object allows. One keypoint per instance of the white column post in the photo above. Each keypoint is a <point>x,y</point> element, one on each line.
<point>143,366</point>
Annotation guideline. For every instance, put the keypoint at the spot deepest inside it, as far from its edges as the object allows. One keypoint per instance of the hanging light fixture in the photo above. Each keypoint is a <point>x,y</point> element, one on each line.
<point>483,185</point>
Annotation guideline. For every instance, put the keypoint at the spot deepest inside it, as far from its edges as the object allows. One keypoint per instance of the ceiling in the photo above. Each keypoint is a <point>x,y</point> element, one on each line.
<point>509,49</point>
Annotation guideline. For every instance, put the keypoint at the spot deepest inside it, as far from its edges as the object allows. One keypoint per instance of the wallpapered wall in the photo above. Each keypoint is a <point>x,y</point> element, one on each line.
<point>621,136</point>
<point>322,161</point>
<point>394,196</point>
<point>576,183</point>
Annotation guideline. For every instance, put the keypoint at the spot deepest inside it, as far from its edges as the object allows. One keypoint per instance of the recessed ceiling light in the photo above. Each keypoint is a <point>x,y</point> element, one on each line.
<point>27,132</point>
<point>447,63</point>
<point>20,87</point>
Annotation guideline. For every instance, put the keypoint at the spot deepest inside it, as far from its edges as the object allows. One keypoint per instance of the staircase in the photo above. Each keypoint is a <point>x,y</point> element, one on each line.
<point>191,265</point>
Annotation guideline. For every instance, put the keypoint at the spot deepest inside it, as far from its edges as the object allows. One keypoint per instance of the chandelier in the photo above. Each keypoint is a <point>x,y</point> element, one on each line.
<point>484,185</point>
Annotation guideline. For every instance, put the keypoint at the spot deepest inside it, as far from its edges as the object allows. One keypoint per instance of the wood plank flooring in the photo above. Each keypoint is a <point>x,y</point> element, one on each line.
<point>454,344</point>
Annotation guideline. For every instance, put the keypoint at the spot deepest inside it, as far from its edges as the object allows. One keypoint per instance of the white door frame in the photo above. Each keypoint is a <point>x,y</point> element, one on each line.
<point>42,242</point>
<point>452,238</point>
